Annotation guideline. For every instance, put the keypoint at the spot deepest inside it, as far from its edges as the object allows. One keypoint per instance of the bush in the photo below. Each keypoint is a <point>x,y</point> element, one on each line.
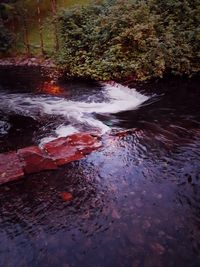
<point>120,39</point>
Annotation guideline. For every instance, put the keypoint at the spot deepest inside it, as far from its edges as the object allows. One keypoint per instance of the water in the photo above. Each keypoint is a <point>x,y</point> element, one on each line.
<point>135,201</point>
<point>73,113</point>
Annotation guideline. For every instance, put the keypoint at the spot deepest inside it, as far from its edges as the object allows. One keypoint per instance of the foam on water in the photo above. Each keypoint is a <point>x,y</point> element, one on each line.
<point>77,116</point>
<point>4,127</point>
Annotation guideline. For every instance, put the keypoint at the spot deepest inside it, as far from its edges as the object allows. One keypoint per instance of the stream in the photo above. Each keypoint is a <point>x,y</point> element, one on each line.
<point>136,200</point>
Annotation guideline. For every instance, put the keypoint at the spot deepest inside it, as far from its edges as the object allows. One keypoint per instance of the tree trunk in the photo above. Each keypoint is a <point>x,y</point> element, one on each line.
<point>40,27</point>
<point>26,37</point>
<point>14,35</point>
<point>54,11</point>
<point>23,17</point>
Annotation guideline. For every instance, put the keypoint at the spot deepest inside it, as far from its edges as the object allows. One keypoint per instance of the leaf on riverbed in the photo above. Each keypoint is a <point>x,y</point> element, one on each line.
<point>66,196</point>
<point>158,248</point>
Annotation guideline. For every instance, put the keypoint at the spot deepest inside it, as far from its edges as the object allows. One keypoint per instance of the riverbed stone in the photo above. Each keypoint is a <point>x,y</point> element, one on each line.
<point>10,167</point>
<point>35,160</point>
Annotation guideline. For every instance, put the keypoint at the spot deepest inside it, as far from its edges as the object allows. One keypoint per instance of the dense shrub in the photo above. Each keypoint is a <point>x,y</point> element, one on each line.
<point>123,38</point>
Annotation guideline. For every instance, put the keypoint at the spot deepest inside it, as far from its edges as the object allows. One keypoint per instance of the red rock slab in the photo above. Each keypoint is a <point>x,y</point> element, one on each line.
<point>62,141</point>
<point>84,142</point>
<point>10,167</point>
<point>62,152</point>
<point>81,139</point>
<point>66,149</point>
<point>35,160</point>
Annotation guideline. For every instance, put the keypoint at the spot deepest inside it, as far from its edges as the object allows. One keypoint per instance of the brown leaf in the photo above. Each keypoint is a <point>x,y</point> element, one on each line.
<point>158,248</point>
<point>66,196</point>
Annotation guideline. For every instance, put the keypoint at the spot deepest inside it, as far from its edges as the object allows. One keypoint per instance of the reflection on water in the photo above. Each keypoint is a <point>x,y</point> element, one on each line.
<point>50,88</point>
<point>136,201</point>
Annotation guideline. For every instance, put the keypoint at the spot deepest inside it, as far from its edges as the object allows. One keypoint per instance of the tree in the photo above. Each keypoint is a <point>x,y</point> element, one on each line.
<point>54,12</point>
<point>40,27</point>
<point>6,38</point>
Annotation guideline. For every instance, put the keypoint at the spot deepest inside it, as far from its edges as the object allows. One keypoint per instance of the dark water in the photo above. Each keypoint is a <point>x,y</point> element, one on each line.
<point>136,201</point>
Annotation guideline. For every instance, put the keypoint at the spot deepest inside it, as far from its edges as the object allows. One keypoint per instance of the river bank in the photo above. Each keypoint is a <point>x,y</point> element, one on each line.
<point>49,66</point>
<point>27,61</point>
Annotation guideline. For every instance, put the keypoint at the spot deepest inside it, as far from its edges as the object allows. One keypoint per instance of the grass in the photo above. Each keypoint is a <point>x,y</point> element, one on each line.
<point>48,30</point>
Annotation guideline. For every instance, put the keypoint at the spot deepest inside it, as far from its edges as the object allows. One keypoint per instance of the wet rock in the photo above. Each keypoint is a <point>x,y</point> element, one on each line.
<point>10,167</point>
<point>24,61</point>
<point>35,160</point>
<point>66,196</point>
<point>55,153</point>
<point>84,142</point>
<point>66,149</point>
<point>61,152</point>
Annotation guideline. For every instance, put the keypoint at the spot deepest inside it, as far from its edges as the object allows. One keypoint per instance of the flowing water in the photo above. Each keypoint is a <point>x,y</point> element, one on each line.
<point>72,116</point>
<point>136,201</point>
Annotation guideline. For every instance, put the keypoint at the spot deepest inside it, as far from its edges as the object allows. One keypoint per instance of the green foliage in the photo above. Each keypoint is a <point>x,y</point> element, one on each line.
<point>5,39</point>
<point>117,39</point>
<point>20,14</point>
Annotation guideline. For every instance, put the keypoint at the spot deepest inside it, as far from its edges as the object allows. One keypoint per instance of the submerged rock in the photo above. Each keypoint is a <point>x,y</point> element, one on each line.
<point>35,160</point>
<point>10,167</point>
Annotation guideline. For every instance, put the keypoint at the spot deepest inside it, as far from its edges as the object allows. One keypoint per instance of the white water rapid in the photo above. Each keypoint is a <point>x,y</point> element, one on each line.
<point>74,116</point>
